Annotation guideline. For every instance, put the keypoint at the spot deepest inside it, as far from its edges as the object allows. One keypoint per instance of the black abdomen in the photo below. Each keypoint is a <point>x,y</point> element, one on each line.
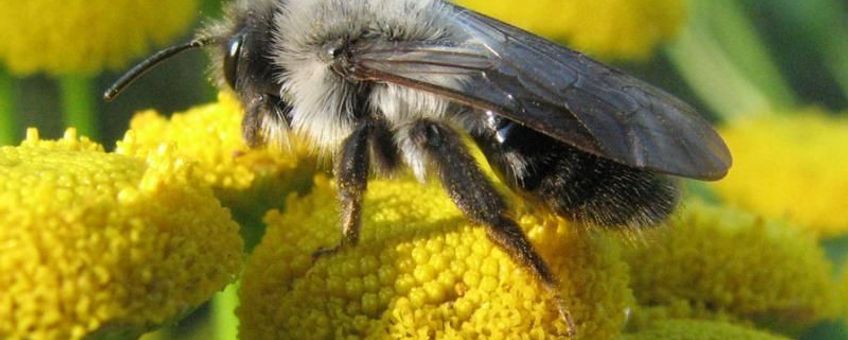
<point>575,184</point>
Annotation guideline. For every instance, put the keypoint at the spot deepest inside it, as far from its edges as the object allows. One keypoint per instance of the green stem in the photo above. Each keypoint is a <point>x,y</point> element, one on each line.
<point>711,74</point>
<point>745,47</point>
<point>9,120</point>
<point>837,60</point>
<point>224,320</point>
<point>78,104</point>
<point>724,60</point>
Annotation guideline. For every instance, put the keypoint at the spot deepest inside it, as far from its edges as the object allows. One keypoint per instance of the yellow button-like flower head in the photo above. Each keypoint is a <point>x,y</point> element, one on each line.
<point>611,29</point>
<point>211,136</point>
<point>421,270</point>
<point>98,243</point>
<point>791,167</point>
<point>63,37</point>
<point>719,263</point>
<point>249,181</point>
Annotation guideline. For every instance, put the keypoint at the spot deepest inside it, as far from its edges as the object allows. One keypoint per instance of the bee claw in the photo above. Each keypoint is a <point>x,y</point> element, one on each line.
<point>565,316</point>
<point>564,313</point>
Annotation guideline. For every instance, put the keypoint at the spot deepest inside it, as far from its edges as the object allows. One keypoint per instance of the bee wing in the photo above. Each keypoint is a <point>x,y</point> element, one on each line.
<point>553,90</point>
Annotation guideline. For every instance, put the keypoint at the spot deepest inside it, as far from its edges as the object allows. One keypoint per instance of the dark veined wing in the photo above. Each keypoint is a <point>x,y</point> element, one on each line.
<point>553,90</point>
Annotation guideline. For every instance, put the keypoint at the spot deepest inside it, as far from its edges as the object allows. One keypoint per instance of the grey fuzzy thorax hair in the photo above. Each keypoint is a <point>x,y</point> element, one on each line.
<point>324,102</point>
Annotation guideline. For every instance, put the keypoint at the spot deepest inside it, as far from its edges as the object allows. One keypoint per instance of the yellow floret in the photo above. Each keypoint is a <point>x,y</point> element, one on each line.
<point>63,37</point>
<point>791,167</point>
<point>611,29</point>
<point>719,263</point>
<point>421,270</point>
<point>95,243</point>
<point>687,329</point>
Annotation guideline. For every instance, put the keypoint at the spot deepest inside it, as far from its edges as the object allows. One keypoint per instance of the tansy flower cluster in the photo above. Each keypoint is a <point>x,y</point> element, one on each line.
<point>791,167</point>
<point>63,37</point>
<point>610,29</point>
<point>101,244</point>
<point>421,270</point>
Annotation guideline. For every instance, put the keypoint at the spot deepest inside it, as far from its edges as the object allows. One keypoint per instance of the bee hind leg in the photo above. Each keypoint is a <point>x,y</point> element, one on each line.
<point>475,196</point>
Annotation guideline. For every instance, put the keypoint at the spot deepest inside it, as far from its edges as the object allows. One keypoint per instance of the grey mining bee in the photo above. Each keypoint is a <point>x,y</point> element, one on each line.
<point>381,83</point>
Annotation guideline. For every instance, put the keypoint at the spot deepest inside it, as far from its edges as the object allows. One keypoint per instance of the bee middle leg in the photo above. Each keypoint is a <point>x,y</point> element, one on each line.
<point>472,192</point>
<point>370,139</point>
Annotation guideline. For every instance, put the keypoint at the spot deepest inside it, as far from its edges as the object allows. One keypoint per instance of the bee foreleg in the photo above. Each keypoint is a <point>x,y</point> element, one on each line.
<point>472,192</point>
<point>251,124</point>
<point>351,171</point>
<point>263,113</point>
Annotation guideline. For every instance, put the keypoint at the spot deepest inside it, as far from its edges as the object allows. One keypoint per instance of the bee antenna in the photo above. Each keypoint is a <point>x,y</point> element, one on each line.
<point>148,64</point>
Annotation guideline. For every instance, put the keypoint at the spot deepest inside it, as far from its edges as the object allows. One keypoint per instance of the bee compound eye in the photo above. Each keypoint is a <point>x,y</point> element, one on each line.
<point>232,55</point>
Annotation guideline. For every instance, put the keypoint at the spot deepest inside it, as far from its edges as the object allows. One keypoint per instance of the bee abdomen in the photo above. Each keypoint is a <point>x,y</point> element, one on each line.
<point>586,188</point>
<point>575,184</point>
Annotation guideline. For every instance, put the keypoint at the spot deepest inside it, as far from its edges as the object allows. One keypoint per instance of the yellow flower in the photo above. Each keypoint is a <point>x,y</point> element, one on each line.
<point>791,167</point>
<point>687,329</point>
<point>94,243</point>
<point>719,263</point>
<point>249,181</point>
<point>421,270</point>
<point>610,29</point>
<point>211,135</point>
<point>63,37</point>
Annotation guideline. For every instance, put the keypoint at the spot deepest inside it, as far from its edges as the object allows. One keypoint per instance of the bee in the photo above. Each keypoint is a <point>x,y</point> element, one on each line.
<point>383,83</point>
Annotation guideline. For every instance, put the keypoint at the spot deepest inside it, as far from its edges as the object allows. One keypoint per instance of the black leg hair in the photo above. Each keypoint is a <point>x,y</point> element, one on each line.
<point>352,179</point>
<point>385,155</point>
<point>477,198</point>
